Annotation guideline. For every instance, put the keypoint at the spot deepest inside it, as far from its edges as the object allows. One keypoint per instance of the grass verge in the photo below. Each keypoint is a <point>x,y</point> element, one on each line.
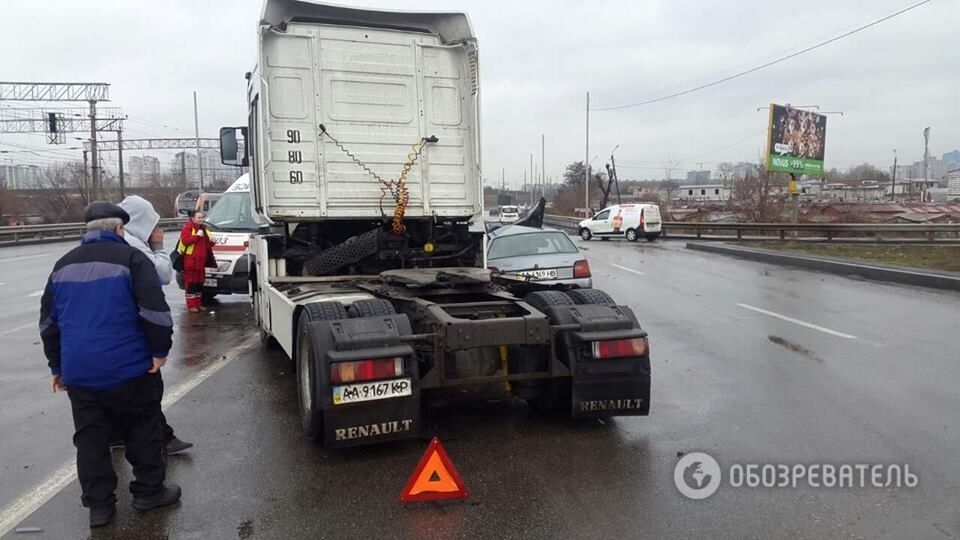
<point>946,258</point>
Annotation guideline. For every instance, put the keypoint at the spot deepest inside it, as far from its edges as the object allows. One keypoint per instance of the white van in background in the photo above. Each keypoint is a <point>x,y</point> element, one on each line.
<point>231,222</point>
<point>630,221</point>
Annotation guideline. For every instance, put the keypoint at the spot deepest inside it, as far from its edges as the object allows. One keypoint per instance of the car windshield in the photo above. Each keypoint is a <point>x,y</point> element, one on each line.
<point>233,212</point>
<point>509,210</point>
<point>539,243</point>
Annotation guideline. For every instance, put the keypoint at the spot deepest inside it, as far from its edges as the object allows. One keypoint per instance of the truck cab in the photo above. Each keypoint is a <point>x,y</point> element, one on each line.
<point>363,145</point>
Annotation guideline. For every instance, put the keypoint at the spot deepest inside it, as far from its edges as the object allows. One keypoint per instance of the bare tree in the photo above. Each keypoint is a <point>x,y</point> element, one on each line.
<point>669,165</point>
<point>66,196</point>
<point>753,193</point>
<point>164,189</point>
<point>10,204</point>
<point>725,170</point>
<point>605,184</point>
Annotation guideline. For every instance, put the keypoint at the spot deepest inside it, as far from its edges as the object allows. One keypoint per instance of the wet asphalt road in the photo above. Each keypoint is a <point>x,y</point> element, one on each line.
<point>869,377</point>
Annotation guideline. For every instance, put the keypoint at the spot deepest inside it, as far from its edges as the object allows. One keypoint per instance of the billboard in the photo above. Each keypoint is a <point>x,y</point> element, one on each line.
<point>795,141</point>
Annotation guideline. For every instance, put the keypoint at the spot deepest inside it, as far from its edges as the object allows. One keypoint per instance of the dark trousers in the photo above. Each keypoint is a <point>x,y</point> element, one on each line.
<point>132,408</point>
<point>167,433</point>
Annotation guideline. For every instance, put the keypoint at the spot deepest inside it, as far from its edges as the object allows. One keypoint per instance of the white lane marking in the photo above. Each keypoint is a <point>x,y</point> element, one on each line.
<point>25,257</point>
<point>796,321</point>
<point>30,502</point>
<point>2,284</point>
<point>19,328</point>
<point>627,269</point>
<point>35,294</point>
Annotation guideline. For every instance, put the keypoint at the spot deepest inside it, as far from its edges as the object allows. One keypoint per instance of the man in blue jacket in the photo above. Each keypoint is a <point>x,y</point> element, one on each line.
<point>106,331</point>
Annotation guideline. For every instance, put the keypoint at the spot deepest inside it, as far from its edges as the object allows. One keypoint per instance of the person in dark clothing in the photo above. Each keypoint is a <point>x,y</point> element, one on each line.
<point>106,331</point>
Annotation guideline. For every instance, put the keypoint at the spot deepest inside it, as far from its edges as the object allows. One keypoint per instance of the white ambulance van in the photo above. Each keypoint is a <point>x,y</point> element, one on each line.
<point>231,222</point>
<point>630,221</point>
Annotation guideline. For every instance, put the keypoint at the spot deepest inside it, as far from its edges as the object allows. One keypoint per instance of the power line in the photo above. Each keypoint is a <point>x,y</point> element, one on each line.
<point>627,162</point>
<point>158,124</point>
<point>765,65</point>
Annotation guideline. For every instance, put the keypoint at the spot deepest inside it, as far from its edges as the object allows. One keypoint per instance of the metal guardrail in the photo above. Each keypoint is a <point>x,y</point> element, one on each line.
<point>783,231</point>
<point>52,232</point>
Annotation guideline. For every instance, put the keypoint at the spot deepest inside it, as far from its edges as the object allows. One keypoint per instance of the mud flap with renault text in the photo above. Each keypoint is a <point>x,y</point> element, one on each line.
<point>369,385</point>
<point>608,355</point>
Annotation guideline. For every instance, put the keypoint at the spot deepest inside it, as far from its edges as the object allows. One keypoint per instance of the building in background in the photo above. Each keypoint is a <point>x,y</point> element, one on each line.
<point>142,170</point>
<point>952,158</point>
<point>19,176</point>
<point>698,177</point>
<point>936,170</point>
<point>216,175</point>
<point>701,192</point>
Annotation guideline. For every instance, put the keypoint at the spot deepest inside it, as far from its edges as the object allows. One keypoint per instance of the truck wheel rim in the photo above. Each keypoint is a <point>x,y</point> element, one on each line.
<point>305,399</point>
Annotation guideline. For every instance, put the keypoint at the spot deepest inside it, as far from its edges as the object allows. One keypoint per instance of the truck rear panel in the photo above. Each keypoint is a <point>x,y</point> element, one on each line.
<point>378,92</point>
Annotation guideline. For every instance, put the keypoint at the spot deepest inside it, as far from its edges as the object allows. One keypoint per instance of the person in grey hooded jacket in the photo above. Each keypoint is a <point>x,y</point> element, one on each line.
<point>142,233</point>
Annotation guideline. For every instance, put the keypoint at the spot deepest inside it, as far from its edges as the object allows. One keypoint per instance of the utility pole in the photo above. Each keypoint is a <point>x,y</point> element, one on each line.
<point>196,127</point>
<point>120,160</point>
<point>183,167</point>
<point>94,164</point>
<point>535,182</point>
<point>926,159</point>
<point>586,165</point>
<point>616,179</point>
<point>893,185</point>
<point>532,181</point>
<point>543,163</point>
<point>86,179</point>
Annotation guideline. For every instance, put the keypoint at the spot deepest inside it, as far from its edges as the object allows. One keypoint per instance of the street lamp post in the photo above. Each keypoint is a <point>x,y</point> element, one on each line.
<point>893,184</point>
<point>586,167</point>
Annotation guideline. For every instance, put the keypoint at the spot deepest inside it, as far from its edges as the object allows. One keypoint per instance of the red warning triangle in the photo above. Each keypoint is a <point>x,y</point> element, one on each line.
<point>435,478</point>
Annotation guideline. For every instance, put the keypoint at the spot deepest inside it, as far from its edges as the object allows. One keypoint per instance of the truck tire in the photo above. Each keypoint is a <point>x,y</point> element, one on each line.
<point>632,235</point>
<point>373,307</point>
<point>544,299</point>
<point>651,236</point>
<point>208,296</point>
<point>554,395</point>
<point>590,296</point>
<point>586,234</point>
<point>308,361</point>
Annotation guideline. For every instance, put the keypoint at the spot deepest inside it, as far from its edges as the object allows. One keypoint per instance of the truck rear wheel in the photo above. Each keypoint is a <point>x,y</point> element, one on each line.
<point>590,296</point>
<point>309,361</point>
<point>632,235</point>
<point>544,299</point>
<point>373,307</point>
<point>554,395</point>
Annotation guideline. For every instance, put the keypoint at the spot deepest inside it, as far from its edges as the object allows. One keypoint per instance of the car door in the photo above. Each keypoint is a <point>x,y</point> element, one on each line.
<point>600,224</point>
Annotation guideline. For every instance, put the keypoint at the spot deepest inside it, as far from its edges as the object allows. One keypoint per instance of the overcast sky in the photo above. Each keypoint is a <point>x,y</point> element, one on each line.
<point>538,59</point>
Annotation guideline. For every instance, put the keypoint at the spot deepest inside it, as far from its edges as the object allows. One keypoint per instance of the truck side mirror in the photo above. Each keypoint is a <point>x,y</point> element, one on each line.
<point>233,148</point>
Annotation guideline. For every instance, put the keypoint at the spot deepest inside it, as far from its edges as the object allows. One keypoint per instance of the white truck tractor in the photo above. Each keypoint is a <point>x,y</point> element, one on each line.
<point>363,147</point>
